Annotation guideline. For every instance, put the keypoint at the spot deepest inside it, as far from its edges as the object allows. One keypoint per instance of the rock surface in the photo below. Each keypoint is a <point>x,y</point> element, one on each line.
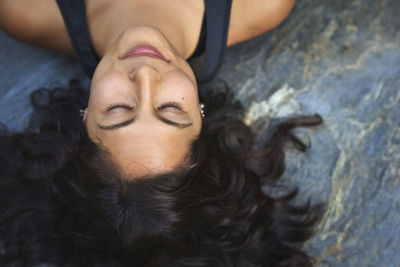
<point>340,59</point>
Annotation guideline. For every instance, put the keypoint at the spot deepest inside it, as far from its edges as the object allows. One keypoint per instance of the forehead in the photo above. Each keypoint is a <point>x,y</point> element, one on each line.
<point>145,153</point>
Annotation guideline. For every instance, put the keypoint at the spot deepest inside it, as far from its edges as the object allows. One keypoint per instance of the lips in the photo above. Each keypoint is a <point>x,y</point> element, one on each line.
<point>144,50</point>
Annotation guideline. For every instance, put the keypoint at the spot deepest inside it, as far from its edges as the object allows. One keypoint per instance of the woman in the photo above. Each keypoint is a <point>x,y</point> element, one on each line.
<point>143,179</point>
<point>116,29</point>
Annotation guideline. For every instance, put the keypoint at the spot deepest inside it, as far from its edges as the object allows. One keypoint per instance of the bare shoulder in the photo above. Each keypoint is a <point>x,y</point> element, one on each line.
<point>38,22</point>
<point>250,18</point>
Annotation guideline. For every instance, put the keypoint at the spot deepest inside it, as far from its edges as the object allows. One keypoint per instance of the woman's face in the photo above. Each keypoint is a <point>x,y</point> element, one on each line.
<point>144,110</point>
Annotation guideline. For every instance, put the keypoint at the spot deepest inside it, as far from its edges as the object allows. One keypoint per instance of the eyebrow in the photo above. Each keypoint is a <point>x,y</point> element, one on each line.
<point>117,125</point>
<point>130,121</point>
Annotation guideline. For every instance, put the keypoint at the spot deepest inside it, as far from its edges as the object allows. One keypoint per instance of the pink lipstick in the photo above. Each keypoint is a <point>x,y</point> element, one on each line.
<point>145,50</point>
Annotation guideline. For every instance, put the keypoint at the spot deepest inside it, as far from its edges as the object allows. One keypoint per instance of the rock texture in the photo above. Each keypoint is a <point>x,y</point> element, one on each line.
<point>338,58</point>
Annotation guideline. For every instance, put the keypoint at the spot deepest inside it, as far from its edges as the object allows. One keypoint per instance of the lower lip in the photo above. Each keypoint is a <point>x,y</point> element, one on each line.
<point>144,50</point>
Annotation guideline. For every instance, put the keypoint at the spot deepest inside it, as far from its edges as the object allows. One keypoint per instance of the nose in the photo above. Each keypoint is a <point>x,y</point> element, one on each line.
<point>145,75</point>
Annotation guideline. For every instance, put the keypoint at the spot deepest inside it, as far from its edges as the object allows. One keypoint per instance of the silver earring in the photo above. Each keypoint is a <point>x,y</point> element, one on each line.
<point>131,76</point>
<point>82,113</point>
<point>202,110</point>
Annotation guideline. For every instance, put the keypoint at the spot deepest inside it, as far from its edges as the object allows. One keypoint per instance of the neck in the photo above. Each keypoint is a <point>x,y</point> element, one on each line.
<point>107,20</point>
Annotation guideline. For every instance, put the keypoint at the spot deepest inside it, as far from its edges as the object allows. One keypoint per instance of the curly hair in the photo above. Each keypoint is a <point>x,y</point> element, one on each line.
<point>63,202</point>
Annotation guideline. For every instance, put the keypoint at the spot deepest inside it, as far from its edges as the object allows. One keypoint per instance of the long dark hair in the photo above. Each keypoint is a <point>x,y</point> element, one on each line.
<point>63,202</point>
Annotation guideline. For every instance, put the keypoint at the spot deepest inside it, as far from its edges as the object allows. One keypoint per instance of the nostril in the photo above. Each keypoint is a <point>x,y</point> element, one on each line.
<point>132,75</point>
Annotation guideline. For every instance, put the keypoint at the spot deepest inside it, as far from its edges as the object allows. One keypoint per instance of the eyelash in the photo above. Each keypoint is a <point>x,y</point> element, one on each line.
<point>165,105</point>
<point>118,105</point>
<point>170,105</point>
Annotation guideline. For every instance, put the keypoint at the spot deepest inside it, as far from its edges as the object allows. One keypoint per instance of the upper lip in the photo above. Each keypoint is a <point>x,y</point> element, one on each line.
<point>145,50</point>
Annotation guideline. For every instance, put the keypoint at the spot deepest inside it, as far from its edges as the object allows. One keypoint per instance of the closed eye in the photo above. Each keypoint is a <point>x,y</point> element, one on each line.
<point>118,105</point>
<point>170,105</point>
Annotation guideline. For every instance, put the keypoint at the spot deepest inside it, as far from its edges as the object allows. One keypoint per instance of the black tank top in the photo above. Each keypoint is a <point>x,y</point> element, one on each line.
<point>211,45</point>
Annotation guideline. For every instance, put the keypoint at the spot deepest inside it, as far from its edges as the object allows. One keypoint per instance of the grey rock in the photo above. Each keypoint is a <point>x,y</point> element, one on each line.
<point>342,59</point>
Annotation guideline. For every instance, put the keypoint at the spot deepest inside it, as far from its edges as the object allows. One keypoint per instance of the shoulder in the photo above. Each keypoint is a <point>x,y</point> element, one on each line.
<point>36,22</point>
<point>250,18</point>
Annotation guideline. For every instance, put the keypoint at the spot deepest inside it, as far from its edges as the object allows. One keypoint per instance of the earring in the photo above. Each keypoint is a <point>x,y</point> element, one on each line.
<point>131,76</point>
<point>82,113</point>
<point>202,110</point>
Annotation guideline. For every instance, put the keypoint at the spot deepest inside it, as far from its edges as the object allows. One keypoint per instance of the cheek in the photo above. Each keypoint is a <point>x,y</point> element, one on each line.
<point>180,86</point>
<point>108,89</point>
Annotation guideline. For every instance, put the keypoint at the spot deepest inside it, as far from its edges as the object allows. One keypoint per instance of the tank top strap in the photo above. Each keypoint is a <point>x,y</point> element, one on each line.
<point>74,15</point>
<point>217,17</point>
